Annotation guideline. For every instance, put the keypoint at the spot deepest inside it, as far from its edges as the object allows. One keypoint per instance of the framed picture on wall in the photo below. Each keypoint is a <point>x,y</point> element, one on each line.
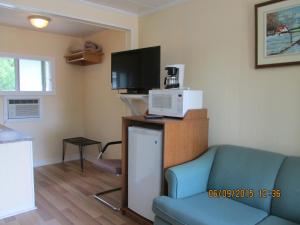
<point>277,33</point>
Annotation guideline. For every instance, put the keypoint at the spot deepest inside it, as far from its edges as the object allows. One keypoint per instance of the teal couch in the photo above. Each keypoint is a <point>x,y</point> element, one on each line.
<point>270,184</point>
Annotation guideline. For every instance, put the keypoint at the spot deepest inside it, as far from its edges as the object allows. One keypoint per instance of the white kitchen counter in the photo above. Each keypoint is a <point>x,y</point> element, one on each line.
<point>9,135</point>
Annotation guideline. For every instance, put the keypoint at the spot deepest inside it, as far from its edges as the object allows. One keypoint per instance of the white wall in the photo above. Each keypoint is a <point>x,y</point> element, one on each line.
<point>215,39</point>
<point>62,113</point>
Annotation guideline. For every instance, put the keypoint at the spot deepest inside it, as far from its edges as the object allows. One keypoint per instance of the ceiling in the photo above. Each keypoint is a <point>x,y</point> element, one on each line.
<point>58,25</point>
<point>138,7</point>
<point>65,26</point>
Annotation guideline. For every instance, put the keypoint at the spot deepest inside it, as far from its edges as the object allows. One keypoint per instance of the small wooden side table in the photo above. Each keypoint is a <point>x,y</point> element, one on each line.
<point>81,142</point>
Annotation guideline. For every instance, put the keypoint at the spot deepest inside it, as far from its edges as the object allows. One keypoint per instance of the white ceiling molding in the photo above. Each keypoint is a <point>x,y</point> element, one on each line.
<point>134,7</point>
<point>163,7</point>
<point>105,7</point>
<point>6,5</point>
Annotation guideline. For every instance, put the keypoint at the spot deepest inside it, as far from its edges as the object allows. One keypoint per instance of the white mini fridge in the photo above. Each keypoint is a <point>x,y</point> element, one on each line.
<point>144,169</point>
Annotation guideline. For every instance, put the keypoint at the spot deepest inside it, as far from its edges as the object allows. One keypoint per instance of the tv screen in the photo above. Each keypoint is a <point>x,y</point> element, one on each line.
<point>136,70</point>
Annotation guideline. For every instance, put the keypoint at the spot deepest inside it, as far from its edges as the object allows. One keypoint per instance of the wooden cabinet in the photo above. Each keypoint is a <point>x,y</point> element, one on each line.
<point>183,140</point>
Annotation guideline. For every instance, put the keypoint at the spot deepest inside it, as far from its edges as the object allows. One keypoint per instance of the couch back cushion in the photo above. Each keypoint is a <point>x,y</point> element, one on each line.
<point>288,182</point>
<point>240,169</point>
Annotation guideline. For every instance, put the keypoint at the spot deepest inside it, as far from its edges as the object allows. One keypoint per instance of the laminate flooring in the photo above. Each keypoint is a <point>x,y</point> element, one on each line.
<point>64,196</point>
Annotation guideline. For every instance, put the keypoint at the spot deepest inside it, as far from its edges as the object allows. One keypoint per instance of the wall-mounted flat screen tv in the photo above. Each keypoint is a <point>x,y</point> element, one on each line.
<point>137,70</point>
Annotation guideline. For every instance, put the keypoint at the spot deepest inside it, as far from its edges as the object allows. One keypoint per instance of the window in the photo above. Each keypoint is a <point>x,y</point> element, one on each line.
<point>25,75</point>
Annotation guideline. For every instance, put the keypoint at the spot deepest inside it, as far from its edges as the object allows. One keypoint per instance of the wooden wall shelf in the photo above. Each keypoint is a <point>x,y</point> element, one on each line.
<point>84,58</point>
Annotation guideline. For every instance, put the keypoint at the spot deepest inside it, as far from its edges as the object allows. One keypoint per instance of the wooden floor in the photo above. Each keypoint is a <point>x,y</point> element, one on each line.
<point>64,197</point>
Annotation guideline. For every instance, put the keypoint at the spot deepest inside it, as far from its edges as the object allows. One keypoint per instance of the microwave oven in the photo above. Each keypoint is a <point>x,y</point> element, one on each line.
<point>174,102</point>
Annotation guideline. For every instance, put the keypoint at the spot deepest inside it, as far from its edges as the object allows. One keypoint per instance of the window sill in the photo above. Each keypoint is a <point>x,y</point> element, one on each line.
<point>27,93</point>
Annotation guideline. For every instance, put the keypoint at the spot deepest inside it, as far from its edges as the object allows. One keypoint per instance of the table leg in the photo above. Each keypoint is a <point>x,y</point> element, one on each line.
<point>81,157</point>
<point>63,152</point>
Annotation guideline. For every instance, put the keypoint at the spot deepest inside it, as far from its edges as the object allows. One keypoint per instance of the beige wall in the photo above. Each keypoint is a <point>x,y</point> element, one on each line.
<point>215,39</point>
<point>84,104</point>
<point>62,113</point>
<point>103,108</point>
<point>66,113</point>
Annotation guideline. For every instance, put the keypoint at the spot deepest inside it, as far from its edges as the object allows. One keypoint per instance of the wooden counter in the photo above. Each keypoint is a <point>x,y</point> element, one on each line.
<point>183,140</point>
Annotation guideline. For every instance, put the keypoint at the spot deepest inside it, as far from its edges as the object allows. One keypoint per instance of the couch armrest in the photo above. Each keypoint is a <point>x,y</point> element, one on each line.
<point>190,178</point>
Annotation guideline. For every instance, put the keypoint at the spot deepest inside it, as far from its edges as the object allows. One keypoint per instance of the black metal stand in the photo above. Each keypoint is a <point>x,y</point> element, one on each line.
<point>99,197</point>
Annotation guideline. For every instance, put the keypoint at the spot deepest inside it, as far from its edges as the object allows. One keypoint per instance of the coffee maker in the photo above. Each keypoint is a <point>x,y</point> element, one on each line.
<point>175,76</point>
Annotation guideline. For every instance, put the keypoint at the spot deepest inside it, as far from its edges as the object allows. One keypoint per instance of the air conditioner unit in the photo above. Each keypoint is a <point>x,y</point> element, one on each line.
<point>17,109</point>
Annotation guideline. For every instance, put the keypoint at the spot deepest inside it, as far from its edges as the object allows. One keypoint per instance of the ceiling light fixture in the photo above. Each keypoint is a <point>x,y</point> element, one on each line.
<point>39,21</point>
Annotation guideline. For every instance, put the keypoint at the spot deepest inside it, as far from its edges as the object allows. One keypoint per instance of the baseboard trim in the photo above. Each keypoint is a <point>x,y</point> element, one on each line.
<point>39,163</point>
<point>10,213</point>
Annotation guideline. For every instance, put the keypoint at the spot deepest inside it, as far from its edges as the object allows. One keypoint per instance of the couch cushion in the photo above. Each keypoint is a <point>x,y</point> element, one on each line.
<point>288,182</point>
<point>245,168</point>
<point>159,221</point>
<point>274,220</point>
<point>203,210</point>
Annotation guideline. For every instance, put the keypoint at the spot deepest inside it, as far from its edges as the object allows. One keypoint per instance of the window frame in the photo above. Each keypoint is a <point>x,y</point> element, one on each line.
<point>17,57</point>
